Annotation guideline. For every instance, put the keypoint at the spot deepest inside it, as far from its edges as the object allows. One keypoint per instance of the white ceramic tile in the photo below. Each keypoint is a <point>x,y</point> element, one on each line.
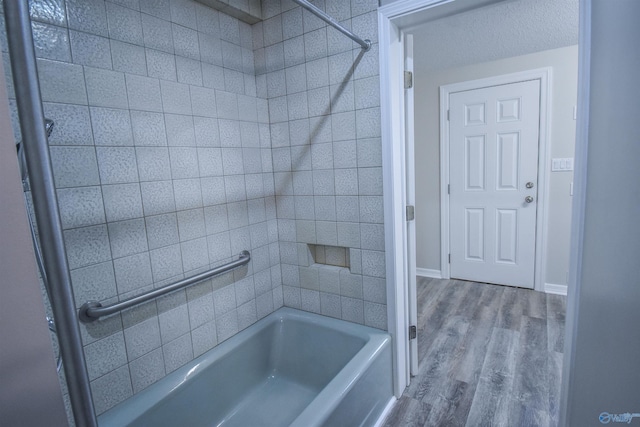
<point>274,57</point>
<point>234,187</point>
<point>127,237</point>
<point>157,197</point>
<point>375,315</point>
<point>212,76</point>
<point>342,97</point>
<point>294,51</point>
<point>368,123</point>
<point>166,262</point>
<point>184,162</point>
<point>349,234</point>
<point>94,283</point>
<point>180,130</point>
<point>88,15</point>
<point>111,127</point>
<point>233,81</point>
<point>117,165</point>
<point>72,124</point>
<point>343,126</point>
<point>177,352</point>
<point>352,309</point>
<point>74,166</point>
<point>51,42</point>
<point>325,208</point>
<point>191,224</point>
<point>210,49</point>
<point>80,207</point>
<point>124,24</point>
<point>210,161</point>
<point>326,233</point>
<point>183,12</point>
<point>122,201</point>
<point>175,98</point>
<point>229,29</point>
<point>106,88</point>
<point>162,230</point>
<point>87,245</point>
<point>132,272</point>
<point>185,42</point>
<point>157,8</point>
<point>143,93</point>
<point>148,128</point>
<point>161,65</point>
<point>208,21</point>
<point>187,193</point>
<point>227,105</point>
<point>128,58</point>
<point>111,389</point>
<point>157,33</point>
<point>315,44</point>
<point>292,23</point>
<point>147,370</point>
<point>213,191</point>
<point>61,82</point>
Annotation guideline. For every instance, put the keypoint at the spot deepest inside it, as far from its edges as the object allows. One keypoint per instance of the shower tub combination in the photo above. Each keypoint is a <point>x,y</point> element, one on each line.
<point>291,368</point>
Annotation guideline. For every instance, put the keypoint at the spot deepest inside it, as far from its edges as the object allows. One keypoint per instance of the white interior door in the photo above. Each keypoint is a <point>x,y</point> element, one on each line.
<point>411,201</point>
<point>493,167</point>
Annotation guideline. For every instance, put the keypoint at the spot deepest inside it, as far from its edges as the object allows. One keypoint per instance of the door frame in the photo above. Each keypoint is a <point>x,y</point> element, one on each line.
<point>544,76</point>
<point>393,20</point>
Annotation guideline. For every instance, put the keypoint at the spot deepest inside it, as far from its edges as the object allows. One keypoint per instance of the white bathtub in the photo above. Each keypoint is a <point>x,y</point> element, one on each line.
<point>291,368</point>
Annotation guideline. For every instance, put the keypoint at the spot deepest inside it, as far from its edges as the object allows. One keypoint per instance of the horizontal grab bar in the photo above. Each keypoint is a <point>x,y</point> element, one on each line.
<point>93,310</point>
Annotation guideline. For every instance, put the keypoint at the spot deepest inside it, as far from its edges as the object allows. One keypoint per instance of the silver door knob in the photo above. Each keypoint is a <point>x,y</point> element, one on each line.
<point>529,185</point>
<point>528,199</point>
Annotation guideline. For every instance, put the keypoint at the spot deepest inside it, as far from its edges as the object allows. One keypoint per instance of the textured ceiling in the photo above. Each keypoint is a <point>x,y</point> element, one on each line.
<point>502,30</point>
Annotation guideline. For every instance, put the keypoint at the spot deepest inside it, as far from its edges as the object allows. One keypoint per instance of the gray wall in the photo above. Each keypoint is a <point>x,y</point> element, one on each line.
<point>564,65</point>
<point>603,314</point>
<point>171,119</point>
<point>30,394</point>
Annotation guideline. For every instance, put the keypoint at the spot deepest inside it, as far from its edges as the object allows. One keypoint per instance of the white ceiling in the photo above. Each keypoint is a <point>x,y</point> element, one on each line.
<point>501,30</point>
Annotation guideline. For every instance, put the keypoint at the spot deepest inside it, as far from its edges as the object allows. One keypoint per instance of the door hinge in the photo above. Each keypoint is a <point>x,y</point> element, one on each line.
<point>411,213</point>
<point>408,79</point>
<point>449,258</point>
<point>448,115</point>
<point>413,332</point>
<point>448,188</point>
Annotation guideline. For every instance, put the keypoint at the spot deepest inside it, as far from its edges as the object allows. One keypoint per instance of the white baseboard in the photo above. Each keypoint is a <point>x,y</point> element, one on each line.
<point>387,410</point>
<point>552,288</point>
<point>427,272</point>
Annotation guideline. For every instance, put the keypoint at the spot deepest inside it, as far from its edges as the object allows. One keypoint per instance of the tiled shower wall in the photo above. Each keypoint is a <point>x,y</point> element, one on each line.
<point>162,161</point>
<point>324,111</point>
<point>184,136</point>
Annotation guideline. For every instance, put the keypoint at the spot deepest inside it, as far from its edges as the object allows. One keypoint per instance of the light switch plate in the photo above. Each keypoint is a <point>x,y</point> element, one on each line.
<point>562,164</point>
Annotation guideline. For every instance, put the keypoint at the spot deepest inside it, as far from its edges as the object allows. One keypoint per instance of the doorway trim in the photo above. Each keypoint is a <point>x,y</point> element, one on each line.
<point>544,76</point>
<point>393,19</point>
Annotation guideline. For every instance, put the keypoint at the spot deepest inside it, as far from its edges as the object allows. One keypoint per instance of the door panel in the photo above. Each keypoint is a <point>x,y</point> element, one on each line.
<point>493,148</point>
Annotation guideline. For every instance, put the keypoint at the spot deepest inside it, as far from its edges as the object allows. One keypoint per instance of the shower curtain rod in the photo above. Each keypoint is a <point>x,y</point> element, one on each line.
<point>366,44</point>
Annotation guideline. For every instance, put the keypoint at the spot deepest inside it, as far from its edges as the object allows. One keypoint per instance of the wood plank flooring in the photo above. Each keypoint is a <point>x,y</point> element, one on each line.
<point>489,356</point>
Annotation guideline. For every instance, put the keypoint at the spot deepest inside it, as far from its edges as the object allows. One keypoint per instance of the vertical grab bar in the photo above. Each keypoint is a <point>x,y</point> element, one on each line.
<point>32,125</point>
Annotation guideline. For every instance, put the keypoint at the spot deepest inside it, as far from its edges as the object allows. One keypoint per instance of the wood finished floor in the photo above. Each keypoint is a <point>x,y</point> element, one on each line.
<point>489,356</point>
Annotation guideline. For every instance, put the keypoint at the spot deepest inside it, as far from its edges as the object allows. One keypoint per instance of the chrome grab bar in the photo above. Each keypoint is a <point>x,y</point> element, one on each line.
<point>366,44</point>
<point>93,310</point>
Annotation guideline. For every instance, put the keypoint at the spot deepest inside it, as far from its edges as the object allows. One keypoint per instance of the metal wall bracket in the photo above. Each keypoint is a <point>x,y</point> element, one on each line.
<point>413,332</point>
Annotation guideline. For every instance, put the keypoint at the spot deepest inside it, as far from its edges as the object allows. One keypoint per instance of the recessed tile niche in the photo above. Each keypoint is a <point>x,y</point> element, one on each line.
<point>330,255</point>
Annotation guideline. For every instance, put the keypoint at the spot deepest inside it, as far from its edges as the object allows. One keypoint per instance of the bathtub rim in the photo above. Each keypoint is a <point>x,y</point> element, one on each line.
<point>135,406</point>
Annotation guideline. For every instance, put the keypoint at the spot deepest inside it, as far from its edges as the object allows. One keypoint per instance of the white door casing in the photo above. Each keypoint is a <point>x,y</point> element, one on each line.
<point>493,168</point>
<point>411,201</point>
